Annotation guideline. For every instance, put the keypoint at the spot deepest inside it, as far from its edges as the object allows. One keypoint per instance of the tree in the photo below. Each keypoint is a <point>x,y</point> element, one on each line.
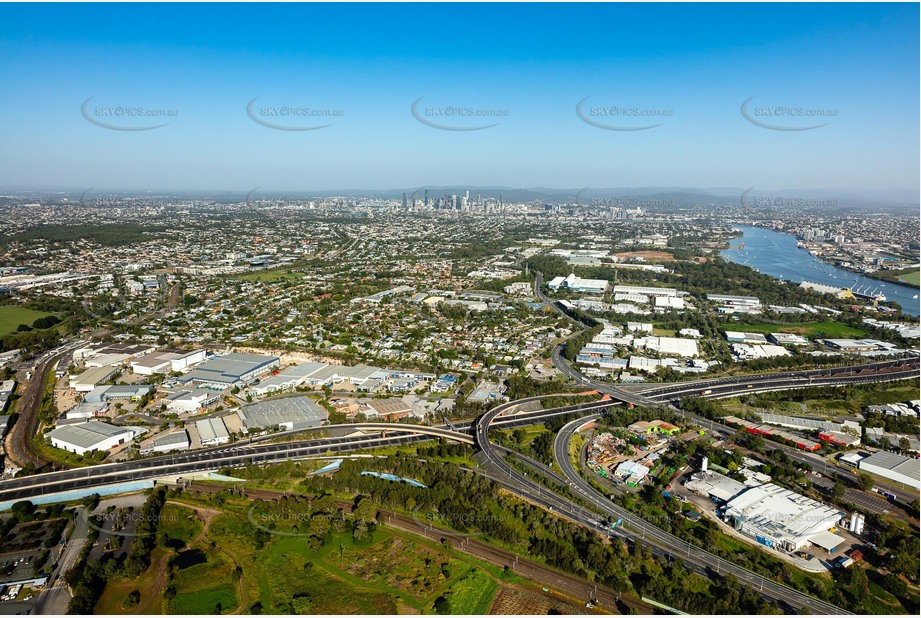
<point>838,490</point>
<point>864,481</point>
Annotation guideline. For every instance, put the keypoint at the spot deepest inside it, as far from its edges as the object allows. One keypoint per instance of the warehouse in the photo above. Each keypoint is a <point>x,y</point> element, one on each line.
<point>667,345</point>
<point>190,400</point>
<point>577,284</point>
<point>231,370</point>
<point>91,436</point>
<point>89,379</point>
<point>735,304</point>
<point>780,518</point>
<point>893,467</point>
<point>212,431</point>
<point>645,291</point>
<point>165,361</point>
<point>288,379</point>
<point>288,413</point>
<point>175,440</point>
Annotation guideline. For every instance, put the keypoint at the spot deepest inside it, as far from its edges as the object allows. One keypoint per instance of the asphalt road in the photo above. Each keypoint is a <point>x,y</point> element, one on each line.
<point>689,553</point>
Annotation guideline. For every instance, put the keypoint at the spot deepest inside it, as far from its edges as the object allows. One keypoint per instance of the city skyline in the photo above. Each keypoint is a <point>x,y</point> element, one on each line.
<point>564,102</point>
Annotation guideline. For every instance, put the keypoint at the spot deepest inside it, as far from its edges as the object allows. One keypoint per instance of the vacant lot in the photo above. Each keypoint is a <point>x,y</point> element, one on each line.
<point>812,330</point>
<point>649,256</point>
<point>12,316</point>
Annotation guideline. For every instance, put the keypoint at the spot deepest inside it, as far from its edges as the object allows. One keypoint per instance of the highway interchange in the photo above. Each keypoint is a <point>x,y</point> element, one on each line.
<point>365,436</point>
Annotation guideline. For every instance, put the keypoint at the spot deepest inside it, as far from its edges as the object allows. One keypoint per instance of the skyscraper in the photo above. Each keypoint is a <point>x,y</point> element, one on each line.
<point>404,201</point>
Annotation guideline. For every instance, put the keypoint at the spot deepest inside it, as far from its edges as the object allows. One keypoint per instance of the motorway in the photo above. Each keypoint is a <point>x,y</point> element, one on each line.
<point>258,453</point>
<point>636,529</point>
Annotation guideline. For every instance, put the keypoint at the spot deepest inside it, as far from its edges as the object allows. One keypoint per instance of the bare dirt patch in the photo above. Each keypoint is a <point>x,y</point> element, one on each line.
<point>511,600</point>
<point>650,256</point>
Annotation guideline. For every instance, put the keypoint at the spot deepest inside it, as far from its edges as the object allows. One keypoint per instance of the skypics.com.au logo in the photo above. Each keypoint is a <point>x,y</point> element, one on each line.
<point>125,117</point>
<point>785,117</point>
<point>455,117</point>
<point>290,117</point>
<point>621,117</point>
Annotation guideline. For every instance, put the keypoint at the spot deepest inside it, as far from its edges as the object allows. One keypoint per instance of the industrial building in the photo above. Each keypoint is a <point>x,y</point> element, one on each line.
<point>783,519</point>
<point>772,432</point>
<point>727,303</point>
<point>577,284</point>
<point>645,291</point>
<point>91,436</point>
<point>190,400</point>
<point>893,467</point>
<point>288,413</point>
<point>672,346</point>
<point>288,379</point>
<point>175,440</point>
<point>212,431</point>
<point>91,378</point>
<point>230,370</point>
<point>166,361</point>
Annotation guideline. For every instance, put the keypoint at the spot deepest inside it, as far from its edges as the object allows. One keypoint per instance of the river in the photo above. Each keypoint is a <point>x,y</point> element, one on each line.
<point>776,254</point>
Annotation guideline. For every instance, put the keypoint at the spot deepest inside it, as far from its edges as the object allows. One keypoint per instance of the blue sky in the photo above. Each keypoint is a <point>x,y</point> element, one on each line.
<point>698,62</point>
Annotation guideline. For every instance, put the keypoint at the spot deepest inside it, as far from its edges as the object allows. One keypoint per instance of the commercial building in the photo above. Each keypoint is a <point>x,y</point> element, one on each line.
<point>175,440</point>
<point>287,413</point>
<point>231,370</point>
<point>577,284</point>
<point>212,431</point>
<point>893,467</point>
<point>91,436</point>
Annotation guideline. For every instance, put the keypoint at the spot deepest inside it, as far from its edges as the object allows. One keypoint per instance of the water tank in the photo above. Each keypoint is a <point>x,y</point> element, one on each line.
<point>853,525</point>
<point>703,464</point>
<point>860,523</point>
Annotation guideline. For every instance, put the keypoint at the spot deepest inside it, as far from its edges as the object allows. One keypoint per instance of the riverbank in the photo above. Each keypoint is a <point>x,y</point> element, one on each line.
<point>779,255</point>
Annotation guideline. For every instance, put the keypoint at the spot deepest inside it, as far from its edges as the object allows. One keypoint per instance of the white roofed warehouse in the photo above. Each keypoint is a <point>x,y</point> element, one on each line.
<point>83,438</point>
<point>783,519</point>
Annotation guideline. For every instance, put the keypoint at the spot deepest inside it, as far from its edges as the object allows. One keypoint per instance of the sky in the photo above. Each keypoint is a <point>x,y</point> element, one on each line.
<point>68,70</point>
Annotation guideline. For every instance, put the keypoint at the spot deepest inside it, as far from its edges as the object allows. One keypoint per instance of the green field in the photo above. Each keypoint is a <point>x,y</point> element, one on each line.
<point>913,278</point>
<point>11,316</point>
<point>812,330</point>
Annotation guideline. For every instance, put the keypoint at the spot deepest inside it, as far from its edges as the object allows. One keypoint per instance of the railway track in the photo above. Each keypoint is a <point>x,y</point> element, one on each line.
<point>548,577</point>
